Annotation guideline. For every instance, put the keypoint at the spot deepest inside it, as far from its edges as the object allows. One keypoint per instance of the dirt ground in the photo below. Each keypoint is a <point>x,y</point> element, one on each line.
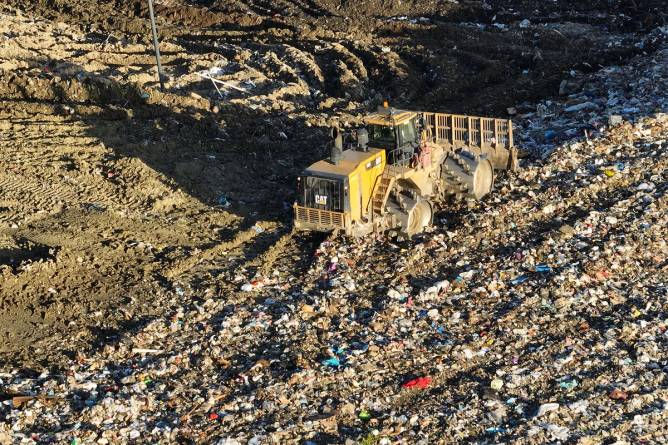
<point>111,191</point>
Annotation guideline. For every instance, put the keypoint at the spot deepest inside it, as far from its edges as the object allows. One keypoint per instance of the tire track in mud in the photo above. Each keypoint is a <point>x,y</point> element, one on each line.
<point>264,261</point>
<point>286,8</point>
<point>183,265</point>
<point>291,251</point>
<point>306,65</point>
<point>34,190</point>
<point>282,248</point>
<point>54,145</point>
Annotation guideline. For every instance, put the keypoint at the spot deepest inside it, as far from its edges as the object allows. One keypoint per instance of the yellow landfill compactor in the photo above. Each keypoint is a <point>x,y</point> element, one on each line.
<point>398,167</point>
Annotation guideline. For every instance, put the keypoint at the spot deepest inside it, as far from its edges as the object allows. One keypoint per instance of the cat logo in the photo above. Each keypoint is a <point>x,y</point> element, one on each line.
<point>321,200</point>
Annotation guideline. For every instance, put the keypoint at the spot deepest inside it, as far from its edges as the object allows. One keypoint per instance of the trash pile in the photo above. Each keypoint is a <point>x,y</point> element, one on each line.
<point>536,316</point>
<point>593,102</point>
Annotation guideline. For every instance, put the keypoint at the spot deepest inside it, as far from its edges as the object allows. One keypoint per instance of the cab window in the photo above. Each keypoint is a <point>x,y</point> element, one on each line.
<point>407,133</point>
<point>381,135</point>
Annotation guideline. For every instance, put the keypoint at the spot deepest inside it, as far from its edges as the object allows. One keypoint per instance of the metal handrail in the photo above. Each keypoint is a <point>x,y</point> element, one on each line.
<point>403,162</point>
<point>469,130</point>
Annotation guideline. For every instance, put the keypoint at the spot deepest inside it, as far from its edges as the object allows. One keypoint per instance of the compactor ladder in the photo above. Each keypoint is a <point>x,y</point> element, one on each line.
<point>382,191</point>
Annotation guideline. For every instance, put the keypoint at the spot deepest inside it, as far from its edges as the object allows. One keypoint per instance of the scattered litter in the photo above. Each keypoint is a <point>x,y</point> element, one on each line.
<point>546,408</point>
<point>519,280</point>
<point>146,351</point>
<point>223,201</point>
<point>496,384</point>
<point>217,82</point>
<point>568,384</point>
<point>332,362</point>
<point>618,394</point>
<point>420,382</point>
<point>542,268</point>
<point>557,432</point>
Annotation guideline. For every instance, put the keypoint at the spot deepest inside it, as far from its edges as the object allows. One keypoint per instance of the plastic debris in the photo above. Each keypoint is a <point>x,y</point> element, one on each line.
<point>333,362</point>
<point>519,280</point>
<point>618,394</point>
<point>420,383</point>
<point>557,432</point>
<point>495,430</point>
<point>568,384</point>
<point>223,201</point>
<point>546,408</point>
<point>542,268</point>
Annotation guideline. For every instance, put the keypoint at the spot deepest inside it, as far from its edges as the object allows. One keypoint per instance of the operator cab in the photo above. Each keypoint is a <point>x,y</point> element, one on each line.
<point>396,132</point>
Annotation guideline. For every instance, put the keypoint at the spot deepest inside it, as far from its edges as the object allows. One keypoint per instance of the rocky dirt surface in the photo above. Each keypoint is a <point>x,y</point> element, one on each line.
<point>152,289</point>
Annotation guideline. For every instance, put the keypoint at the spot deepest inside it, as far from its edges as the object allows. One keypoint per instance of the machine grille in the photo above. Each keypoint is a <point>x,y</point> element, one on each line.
<point>320,217</point>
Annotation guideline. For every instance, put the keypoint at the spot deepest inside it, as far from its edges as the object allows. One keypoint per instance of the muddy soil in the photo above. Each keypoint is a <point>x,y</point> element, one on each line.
<point>117,199</point>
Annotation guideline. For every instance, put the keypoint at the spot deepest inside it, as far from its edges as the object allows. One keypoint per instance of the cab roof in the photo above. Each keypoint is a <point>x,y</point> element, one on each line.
<point>350,160</point>
<point>389,116</point>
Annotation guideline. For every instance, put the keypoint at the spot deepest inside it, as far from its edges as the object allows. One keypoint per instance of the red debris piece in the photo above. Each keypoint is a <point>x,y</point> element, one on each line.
<point>618,394</point>
<point>420,382</point>
<point>213,416</point>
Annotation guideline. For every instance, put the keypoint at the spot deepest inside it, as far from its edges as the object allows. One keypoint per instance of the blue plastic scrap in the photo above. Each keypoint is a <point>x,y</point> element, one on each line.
<point>223,201</point>
<point>519,280</point>
<point>333,362</point>
<point>542,268</point>
<point>495,430</point>
<point>439,329</point>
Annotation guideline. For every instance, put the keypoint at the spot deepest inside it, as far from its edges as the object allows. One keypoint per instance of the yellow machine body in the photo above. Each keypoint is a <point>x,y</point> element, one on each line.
<point>357,172</point>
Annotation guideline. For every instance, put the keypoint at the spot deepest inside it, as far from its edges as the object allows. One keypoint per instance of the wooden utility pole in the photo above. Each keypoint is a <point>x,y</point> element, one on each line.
<point>155,44</point>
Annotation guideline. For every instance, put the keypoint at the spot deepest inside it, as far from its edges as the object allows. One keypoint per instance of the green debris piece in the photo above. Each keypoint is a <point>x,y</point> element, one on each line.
<point>568,384</point>
<point>365,415</point>
<point>370,439</point>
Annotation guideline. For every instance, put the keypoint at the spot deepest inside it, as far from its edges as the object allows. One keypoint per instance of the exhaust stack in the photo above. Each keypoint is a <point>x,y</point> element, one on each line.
<point>337,146</point>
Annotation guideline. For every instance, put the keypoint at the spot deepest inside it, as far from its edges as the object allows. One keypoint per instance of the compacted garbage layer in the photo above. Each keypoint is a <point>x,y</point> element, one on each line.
<point>151,281</point>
